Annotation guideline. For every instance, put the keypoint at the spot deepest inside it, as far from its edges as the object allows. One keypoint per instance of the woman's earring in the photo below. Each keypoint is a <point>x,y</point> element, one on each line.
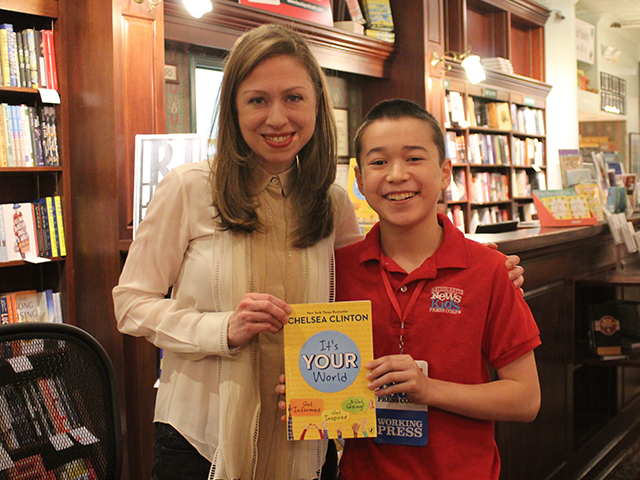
<point>297,163</point>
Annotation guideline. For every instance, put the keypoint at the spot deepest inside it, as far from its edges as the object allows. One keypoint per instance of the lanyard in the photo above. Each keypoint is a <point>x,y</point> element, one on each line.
<point>394,301</point>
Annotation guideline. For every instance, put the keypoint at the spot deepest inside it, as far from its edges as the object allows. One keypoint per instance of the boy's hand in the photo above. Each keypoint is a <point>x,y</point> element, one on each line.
<point>401,371</point>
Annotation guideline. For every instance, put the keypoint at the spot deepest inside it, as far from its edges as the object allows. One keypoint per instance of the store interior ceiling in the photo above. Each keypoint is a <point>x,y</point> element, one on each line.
<point>624,12</point>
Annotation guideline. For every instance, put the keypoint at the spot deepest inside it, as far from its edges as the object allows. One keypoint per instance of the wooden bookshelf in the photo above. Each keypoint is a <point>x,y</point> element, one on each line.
<point>23,184</point>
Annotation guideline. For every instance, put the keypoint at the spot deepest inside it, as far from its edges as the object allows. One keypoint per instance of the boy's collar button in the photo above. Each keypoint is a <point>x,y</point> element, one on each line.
<point>403,288</point>
<point>274,180</point>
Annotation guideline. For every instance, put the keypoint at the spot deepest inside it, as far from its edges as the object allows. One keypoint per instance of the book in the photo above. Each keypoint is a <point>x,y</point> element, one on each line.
<point>604,329</point>
<point>40,208</point>
<point>592,193</point>
<point>33,57</point>
<point>11,78</point>
<point>53,227</point>
<point>350,26</point>
<point>57,205</point>
<point>326,346</point>
<point>366,216</point>
<point>355,12</point>
<point>50,59</point>
<point>20,230</point>
<point>4,256</point>
<point>26,305</point>
<point>40,58</point>
<point>46,309</point>
<point>378,14</point>
<point>4,57</point>
<point>383,35</point>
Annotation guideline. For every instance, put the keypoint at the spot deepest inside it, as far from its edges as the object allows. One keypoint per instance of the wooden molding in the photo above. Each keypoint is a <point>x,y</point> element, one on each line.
<point>334,48</point>
<point>45,8</point>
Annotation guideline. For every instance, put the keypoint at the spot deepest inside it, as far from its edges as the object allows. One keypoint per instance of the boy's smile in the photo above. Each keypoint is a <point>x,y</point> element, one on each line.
<point>400,173</point>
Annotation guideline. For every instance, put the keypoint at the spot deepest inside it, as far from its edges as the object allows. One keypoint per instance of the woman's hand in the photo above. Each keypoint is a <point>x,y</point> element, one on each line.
<point>516,272</point>
<point>256,313</point>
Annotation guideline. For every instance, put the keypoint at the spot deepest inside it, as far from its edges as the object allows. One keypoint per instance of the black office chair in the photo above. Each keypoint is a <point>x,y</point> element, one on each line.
<point>59,413</point>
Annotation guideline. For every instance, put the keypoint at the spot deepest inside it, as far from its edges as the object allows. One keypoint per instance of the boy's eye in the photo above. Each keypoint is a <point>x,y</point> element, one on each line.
<point>415,159</point>
<point>376,162</point>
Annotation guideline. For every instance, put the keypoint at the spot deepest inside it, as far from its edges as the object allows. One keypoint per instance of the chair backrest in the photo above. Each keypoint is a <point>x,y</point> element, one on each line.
<point>59,412</point>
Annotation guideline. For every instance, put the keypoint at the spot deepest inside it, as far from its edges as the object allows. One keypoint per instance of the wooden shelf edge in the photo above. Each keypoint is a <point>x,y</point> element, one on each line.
<point>45,8</point>
<point>335,49</point>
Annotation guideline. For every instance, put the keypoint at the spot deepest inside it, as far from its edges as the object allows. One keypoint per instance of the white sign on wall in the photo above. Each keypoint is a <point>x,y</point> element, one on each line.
<point>585,41</point>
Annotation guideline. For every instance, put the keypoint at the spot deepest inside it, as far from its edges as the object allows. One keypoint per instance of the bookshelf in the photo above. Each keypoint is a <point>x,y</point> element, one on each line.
<point>23,183</point>
<point>496,139</point>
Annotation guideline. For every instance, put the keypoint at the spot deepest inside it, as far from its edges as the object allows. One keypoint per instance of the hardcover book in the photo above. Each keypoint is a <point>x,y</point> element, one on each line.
<point>315,11</point>
<point>326,346</point>
<point>367,216</point>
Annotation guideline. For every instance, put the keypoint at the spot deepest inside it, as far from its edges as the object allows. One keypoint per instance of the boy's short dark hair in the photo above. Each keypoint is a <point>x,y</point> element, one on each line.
<point>396,109</point>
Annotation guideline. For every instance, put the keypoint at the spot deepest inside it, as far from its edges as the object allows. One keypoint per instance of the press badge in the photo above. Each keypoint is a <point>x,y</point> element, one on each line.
<point>401,422</point>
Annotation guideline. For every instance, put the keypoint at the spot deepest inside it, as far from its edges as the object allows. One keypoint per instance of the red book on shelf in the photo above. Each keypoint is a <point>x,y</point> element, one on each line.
<point>50,59</point>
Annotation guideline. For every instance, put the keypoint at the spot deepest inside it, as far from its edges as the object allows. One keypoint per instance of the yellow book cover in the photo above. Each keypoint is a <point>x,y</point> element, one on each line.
<point>592,193</point>
<point>60,224</point>
<point>367,216</point>
<point>326,346</point>
<point>558,206</point>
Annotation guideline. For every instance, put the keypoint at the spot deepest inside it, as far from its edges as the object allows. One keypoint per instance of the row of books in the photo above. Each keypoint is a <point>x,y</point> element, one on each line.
<point>379,20</point>
<point>28,136</point>
<point>527,152</point>
<point>499,115</point>
<point>457,189</point>
<point>27,58</point>
<point>489,187</point>
<point>33,467</point>
<point>39,410</point>
<point>456,215</point>
<point>30,306</point>
<point>455,147</point>
<point>524,182</point>
<point>32,229</point>
<point>487,216</point>
<point>489,149</point>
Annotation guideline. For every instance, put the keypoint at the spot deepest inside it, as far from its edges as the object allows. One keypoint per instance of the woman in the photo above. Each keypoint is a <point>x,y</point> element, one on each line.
<point>235,241</point>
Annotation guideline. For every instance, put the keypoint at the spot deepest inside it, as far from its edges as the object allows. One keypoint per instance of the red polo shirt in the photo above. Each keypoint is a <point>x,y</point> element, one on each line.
<point>468,315</point>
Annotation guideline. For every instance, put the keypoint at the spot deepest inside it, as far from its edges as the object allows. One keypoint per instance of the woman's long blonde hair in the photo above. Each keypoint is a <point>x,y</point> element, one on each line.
<point>233,165</point>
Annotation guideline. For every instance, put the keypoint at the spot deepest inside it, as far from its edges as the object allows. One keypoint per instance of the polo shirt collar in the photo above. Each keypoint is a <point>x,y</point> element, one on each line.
<point>283,181</point>
<point>453,252</point>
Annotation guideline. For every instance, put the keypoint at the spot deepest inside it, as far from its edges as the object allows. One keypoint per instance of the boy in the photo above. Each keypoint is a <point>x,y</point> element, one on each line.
<point>436,297</point>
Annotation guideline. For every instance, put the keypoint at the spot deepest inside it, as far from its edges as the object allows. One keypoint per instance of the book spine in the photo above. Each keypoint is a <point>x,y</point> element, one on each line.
<point>52,72</point>
<point>14,66</point>
<point>60,224</point>
<point>53,229</point>
<point>51,119</point>
<point>33,57</point>
<point>27,136</point>
<point>46,232</point>
<point>4,310</point>
<point>36,136</point>
<point>4,161</point>
<point>18,136</point>
<point>4,53</point>
<point>8,138</point>
<point>37,215</point>
<point>41,62</point>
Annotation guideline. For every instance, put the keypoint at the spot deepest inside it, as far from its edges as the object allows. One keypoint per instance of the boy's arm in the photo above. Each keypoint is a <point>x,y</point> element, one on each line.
<point>515,396</point>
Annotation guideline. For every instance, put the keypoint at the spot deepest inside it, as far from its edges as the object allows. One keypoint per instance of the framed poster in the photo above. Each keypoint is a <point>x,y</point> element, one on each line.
<point>155,156</point>
<point>315,11</point>
<point>634,153</point>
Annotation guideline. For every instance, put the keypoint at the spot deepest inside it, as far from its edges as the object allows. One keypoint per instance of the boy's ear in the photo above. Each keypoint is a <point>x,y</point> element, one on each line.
<point>446,174</point>
<point>359,179</point>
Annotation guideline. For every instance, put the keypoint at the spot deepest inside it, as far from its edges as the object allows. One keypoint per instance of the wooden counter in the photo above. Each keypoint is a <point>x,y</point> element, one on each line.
<point>589,411</point>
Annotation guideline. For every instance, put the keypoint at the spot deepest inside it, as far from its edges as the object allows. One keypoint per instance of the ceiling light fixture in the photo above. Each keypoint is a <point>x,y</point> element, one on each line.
<point>631,24</point>
<point>198,8</point>
<point>470,63</point>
